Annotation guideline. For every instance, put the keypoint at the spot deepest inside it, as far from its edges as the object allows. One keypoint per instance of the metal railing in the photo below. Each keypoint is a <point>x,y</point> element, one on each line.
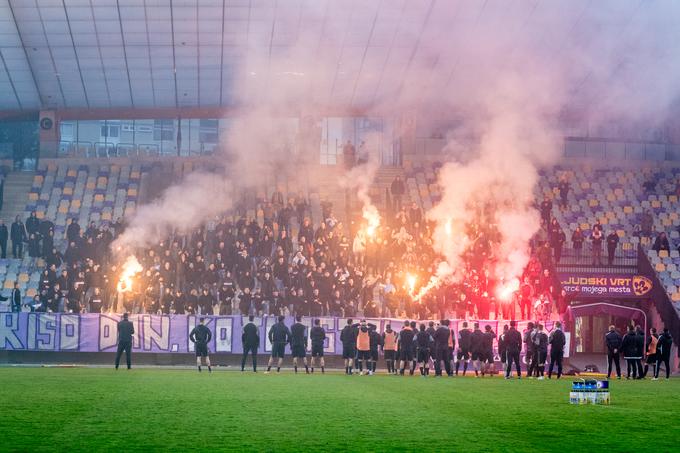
<point>623,261</point>
<point>618,150</point>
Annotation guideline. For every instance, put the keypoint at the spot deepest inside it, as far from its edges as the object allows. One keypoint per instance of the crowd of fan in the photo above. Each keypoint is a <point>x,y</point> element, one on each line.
<point>236,265</point>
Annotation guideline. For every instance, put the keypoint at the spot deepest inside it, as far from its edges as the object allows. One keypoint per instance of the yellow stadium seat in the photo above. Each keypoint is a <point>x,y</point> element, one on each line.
<point>667,222</point>
<point>23,277</point>
<point>75,203</point>
<point>673,215</point>
<point>9,284</point>
<point>644,240</point>
<point>101,181</point>
<point>620,233</point>
<point>660,267</point>
<point>610,215</point>
<point>51,167</point>
<point>585,185</point>
<point>99,197</point>
<point>611,197</point>
<point>628,209</point>
<point>72,172</point>
<point>627,246</point>
<point>132,192</point>
<point>33,196</point>
<point>38,180</point>
<point>585,226</point>
<point>134,174</point>
<point>593,203</point>
<point>40,214</point>
<point>656,204</point>
<point>68,191</point>
<point>676,297</point>
<point>106,216</point>
<point>604,220</point>
<point>618,192</point>
<point>63,209</point>
<point>673,198</point>
<point>663,253</point>
<point>31,292</point>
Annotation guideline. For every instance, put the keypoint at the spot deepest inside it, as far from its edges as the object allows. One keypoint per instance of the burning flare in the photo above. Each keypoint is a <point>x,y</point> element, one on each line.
<point>131,267</point>
<point>370,213</point>
<point>411,283</point>
<point>505,291</point>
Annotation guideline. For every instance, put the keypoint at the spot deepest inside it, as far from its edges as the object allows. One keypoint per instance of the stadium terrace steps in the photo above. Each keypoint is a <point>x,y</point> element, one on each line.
<point>15,194</point>
<point>381,186</point>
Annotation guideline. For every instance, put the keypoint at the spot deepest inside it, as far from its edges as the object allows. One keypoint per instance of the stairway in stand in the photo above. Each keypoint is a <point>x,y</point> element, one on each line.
<point>15,195</point>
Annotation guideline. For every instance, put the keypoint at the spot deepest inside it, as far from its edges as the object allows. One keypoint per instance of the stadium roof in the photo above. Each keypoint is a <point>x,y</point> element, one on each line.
<point>101,54</point>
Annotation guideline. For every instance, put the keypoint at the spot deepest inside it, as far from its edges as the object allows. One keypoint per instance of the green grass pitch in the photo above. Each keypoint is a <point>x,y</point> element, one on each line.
<point>97,409</point>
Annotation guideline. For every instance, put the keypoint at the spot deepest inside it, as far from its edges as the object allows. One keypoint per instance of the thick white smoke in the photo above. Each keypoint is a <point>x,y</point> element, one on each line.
<point>500,78</point>
<point>358,181</point>
<point>182,207</point>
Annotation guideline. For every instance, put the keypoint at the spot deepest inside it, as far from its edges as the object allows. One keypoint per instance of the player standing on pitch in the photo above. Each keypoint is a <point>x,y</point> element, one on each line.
<point>405,346</point>
<point>348,337</point>
<point>464,344</point>
<point>363,343</point>
<point>389,346</point>
<point>318,335</point>
<point>125,332</point>
<point>201,336</point>
<point>298,343</point>
<point>279,336</point>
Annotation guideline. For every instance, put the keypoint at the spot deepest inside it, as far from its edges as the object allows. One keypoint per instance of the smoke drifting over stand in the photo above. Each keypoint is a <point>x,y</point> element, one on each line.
<point>496,76</point>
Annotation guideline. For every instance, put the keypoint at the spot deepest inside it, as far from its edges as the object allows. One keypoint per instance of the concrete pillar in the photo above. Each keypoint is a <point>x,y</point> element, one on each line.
<point>49,133</point>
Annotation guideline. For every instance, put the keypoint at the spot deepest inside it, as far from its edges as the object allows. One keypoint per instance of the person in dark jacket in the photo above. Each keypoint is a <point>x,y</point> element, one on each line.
<point>317,335</point>
<point>464,345</point>
<point>661,243</point>
<point>502,347</point>
<point>441,348</point>
<point>125,331</point>
<point>250,338</point>
<point>397,189</point>
<point>640,338</point>
<point>405,346</point>
<point>279,336</point>
<point>375,343</point>
<point>477,348</point>
<point>530,357</point>
<point>32,224</point>
<point>557,341</point>
<point>298,343</point>
<point>201,336</point>
<point>631,352</point>
<point>513,347</point>
<point>540,341</point>
<point>487,354</point>
<point>15,298</point>
<point>4,235</point>
<point>348,338</point>
<point>613,341</point>
<point>18,237</point>
<point>612,244</point>
<point>424,343</point>
<point>663,353</point>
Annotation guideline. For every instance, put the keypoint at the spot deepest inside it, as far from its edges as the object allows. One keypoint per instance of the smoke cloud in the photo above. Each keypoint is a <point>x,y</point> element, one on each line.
<point>502,80</point>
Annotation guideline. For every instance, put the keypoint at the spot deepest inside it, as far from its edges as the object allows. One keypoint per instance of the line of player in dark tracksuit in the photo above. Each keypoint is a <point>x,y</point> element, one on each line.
<point>632,346</point>
<point>536,343</point>
<point>416,346</point>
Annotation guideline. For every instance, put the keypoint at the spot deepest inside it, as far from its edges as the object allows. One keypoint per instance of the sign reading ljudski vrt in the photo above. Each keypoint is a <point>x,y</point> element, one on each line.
<point>610,285</point>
